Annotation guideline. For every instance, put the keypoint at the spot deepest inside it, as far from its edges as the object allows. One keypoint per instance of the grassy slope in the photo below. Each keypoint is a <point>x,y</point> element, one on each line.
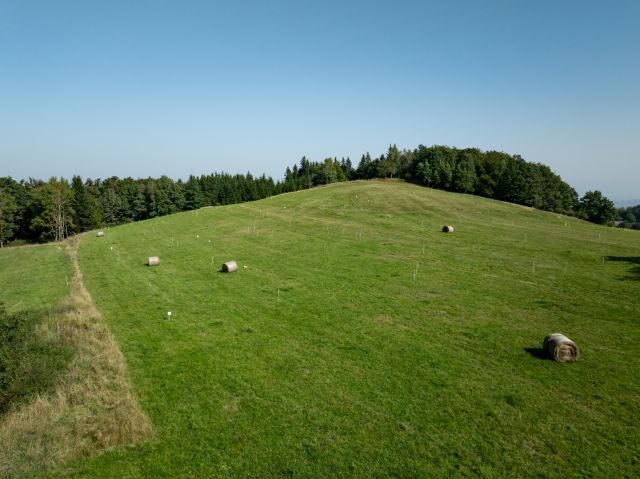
<point>360,369</point>
<point>33,277</point>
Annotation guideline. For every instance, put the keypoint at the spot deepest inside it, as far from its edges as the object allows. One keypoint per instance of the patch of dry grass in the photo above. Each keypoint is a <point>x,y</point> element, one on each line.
<point>92,408</point>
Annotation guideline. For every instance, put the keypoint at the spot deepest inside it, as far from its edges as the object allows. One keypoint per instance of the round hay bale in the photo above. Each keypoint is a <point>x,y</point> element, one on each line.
<point>447,229</point>
<point>100,234</point>
<point>229,267</point>
<point>153,261</point>
<point>560,348</point>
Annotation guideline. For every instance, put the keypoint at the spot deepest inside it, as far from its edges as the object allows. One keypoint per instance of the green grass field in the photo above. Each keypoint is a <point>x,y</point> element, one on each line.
<point>356,339</point>
<point>33,278</point>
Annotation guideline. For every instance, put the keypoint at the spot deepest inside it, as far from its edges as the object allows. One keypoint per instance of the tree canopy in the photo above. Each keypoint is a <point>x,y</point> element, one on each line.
<point>629,217</point>
<point>597,208</point>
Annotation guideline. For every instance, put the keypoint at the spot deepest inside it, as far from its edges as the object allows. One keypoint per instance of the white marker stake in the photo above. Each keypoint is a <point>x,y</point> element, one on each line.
<point>278,295</point>
<point>169,314</point>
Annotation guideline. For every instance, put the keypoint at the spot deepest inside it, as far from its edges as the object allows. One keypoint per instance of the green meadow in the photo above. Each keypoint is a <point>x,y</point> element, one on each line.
<point>33,278</point>
<point>356,339</point>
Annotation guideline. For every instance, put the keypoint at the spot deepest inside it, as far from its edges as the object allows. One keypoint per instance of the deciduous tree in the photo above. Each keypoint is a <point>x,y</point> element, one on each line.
<point>8,208</point>
<point>597,208</point>
<point>52,208</point>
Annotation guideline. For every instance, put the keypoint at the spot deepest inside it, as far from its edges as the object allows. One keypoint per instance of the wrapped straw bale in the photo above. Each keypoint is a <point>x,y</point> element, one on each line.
<point>230,267</point>
<point>447,229</point>
<point>100,234</point>
<point>154,261</point>
<point>560,348</point>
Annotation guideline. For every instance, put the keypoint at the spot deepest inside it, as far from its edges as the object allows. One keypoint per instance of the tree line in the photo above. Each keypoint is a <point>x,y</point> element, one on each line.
<point>38,211</point>
<point>628,217</point>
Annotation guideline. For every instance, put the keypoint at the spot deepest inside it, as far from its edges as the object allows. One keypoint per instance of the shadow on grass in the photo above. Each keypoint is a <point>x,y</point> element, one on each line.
<point>634,270</point>
<point>537,353</point>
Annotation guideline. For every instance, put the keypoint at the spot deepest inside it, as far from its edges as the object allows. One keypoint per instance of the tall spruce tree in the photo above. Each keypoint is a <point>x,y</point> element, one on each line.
<point>193,196</point>
<point>85,206</point>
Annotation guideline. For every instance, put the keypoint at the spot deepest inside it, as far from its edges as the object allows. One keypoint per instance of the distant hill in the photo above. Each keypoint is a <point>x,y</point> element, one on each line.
<point>626,203</point>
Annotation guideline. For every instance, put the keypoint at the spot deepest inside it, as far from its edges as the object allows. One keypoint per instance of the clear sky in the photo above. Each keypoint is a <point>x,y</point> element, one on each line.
<point>145,88</point>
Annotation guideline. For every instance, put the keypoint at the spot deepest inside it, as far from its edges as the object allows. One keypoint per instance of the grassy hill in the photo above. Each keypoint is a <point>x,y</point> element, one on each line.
<point>357,339</point>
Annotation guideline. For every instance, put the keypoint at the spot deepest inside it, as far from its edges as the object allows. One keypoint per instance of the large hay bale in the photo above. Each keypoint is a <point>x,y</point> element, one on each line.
<point>230,267</point>
<point>100,234</point>
<point>447,229</point>
<point>560,348</point>
<point>153,261</point>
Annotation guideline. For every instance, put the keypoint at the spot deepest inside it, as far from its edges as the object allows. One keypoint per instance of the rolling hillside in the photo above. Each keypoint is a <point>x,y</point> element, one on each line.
<point>356,339</point>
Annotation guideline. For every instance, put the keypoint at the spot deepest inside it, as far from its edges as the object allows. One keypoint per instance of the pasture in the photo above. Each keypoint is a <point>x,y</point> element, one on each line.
<point>357,339</point>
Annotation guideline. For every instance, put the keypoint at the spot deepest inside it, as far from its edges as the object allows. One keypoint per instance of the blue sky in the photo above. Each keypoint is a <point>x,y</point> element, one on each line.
<point>146,88</point>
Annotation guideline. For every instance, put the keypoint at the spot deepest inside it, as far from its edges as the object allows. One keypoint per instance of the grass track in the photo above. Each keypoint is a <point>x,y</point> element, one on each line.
<point>359,369</point>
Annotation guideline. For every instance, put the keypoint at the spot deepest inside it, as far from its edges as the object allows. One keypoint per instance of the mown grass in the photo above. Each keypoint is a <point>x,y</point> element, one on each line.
<point>327,354</point>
